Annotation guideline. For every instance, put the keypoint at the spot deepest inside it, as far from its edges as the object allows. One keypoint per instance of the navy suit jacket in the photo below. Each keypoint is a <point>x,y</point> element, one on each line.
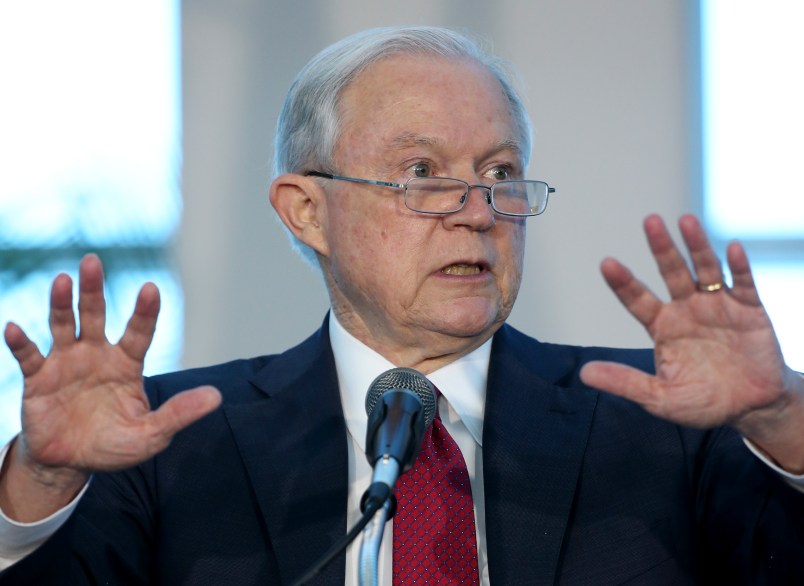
<point>581,487</point>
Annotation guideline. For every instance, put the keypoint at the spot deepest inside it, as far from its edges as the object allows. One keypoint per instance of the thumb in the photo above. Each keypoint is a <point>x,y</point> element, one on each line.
<point>618,379</point>
<point>180,411</point>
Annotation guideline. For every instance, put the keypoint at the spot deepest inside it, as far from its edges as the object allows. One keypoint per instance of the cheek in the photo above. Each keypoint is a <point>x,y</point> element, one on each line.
<point>371,239</point>
<point>350,231</point>
<point>514,254</point>
<point>374,236</point>
<point>384,230</point>
<point>365,244</point>
<point>518,250</point>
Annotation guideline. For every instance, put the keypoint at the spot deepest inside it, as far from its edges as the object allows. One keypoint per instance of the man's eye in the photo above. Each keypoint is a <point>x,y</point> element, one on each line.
<point>499,173</point>
<point>421,170</point>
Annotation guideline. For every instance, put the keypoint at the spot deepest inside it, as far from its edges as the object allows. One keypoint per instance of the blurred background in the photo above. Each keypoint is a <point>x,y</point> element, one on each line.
<point>142,130</point>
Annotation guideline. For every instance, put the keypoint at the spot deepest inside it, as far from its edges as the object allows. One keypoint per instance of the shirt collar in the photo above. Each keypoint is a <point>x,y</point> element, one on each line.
<point>462,382</point>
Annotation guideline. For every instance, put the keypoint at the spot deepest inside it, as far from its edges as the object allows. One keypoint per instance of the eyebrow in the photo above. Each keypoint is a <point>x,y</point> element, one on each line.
<point>410,139</point>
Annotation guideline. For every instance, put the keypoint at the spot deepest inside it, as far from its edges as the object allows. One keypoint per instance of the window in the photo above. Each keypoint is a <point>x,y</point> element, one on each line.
<point>753,124</point>
<point>91,156</point>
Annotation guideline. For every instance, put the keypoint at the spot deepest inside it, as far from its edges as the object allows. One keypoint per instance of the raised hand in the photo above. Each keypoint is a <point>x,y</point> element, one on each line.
<point>718,361</point>
<point>83,406</point>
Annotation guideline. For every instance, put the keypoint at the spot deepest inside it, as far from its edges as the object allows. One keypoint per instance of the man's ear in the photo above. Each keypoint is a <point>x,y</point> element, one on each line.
<point>301,205</point>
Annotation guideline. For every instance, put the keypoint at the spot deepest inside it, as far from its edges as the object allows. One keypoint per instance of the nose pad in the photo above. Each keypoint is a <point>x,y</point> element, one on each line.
<point>471,215</point>
<point>486,196</point>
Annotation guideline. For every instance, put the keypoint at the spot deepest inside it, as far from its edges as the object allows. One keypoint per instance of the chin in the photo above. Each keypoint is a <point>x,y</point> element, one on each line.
<point>469,320</point>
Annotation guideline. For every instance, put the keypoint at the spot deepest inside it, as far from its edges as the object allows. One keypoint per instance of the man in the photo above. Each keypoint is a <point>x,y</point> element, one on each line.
<point>570,485</point>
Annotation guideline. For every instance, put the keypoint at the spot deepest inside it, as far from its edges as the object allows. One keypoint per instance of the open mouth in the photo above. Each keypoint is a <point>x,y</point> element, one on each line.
<point>462,269</point>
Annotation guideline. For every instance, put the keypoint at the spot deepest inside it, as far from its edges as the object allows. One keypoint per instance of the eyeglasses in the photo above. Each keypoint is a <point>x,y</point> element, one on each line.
<point>442,195</point>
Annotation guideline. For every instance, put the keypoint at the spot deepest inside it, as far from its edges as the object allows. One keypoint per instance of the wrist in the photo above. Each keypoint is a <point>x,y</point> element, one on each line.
<point>55,478</point>
<point>778,429</point>
<point>30,491</point>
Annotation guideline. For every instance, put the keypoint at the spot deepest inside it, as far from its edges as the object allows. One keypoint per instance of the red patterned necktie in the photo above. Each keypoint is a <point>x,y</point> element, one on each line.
<point>434,526</point>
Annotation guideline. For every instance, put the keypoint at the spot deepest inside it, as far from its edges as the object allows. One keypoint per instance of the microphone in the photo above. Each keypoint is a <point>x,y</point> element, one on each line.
<point>401,404</point>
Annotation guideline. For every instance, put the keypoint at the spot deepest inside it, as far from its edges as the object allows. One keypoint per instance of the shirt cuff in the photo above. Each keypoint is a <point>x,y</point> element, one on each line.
<point>794,480</point>
<point>17,540</point>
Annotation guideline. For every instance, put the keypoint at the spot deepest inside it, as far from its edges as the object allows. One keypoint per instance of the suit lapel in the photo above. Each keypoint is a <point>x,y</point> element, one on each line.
<point>293,446</point>
<point>534,438</point>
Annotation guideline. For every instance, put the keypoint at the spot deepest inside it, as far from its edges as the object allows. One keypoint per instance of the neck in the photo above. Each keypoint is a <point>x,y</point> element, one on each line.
<point>425,352</point>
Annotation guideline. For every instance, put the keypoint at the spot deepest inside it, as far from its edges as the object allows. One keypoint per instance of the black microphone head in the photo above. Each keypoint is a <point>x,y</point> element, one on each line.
<point>404,378</point>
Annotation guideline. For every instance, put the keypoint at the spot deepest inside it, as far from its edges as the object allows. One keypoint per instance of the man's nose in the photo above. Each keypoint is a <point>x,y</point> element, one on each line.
<point>476,212</point>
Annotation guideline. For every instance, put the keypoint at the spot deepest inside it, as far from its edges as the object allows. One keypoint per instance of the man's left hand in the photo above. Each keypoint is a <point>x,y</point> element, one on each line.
<point>718,361</point>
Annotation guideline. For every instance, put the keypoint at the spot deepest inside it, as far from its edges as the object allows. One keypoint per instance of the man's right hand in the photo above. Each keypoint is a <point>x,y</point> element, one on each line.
<point>83,407</point>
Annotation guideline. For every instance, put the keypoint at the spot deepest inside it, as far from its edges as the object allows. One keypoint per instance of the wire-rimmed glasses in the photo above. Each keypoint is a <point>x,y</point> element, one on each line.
<point>444,195</point>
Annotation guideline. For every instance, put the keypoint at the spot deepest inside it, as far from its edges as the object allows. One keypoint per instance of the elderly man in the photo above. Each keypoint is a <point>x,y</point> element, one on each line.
<point>400,158</point>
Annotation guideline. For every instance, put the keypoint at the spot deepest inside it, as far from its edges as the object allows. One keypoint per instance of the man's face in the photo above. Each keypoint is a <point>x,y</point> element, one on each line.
<point>401,280</point>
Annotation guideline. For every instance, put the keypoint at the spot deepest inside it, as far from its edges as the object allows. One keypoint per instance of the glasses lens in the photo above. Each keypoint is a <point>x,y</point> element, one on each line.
<point>435,195</point>
<point>520,198</point>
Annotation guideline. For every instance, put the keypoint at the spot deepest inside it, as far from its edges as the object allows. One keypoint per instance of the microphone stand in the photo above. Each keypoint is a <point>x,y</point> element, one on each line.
<point>370,505</point>
<point>386,472</point>
<point>370,546</point>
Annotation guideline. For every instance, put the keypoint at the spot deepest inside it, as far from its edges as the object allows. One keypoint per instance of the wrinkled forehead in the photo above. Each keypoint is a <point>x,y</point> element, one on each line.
<point>424,96</point>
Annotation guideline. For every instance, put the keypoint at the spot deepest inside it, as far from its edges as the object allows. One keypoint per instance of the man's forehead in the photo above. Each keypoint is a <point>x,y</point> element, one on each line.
<point>447,108</point>
<point>402,80</point>
<point>407,140</point>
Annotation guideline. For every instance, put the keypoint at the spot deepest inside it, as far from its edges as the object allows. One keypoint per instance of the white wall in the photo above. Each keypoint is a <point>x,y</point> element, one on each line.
<point>610,90</point>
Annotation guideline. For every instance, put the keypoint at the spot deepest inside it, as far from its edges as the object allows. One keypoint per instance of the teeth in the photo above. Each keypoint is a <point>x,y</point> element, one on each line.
<point>461,269</point>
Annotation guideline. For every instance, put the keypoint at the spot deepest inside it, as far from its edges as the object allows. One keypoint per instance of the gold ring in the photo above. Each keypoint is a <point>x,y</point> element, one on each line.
<point>710,288</point>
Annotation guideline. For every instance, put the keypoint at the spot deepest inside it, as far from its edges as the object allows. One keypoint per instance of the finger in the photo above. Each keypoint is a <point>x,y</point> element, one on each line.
<point>91,302</point>
<point>178,412</point>
<point>634,295</point>
<point>623,381</point>
<point>140,329</point>
<point>24,350</point>
<point>708,268</point>
<point>62,318</point>
<point>743,287</point>
<point>671,263</point>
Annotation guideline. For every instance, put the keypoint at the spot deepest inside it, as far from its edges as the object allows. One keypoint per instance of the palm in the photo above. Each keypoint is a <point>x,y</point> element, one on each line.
<point>84,406</point>
<point>717,358</point>
<point>83,396</point>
